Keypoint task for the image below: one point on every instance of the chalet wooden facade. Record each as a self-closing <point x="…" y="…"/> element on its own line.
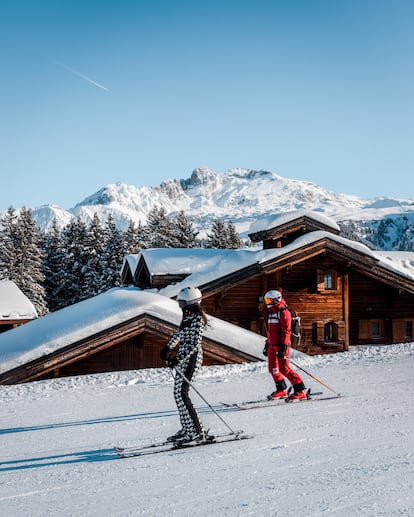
<point x="344" y="293"/>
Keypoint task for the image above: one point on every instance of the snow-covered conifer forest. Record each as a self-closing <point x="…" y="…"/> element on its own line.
<point x="62" y="267"/>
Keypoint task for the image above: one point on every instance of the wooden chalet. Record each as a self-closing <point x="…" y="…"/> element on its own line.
<point x="345" y="293"/>
<point x="123" y="329"/>
<point x="15" y="308"/>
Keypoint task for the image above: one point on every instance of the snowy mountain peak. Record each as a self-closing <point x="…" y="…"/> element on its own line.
<point x="202" y="176"/>
<point x="243" y="196"/>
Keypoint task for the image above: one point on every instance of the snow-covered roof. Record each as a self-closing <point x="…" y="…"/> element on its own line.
<point x="14" y="305"/>
<point x="163" y="261"/>
<point x="230" y="261"/>
<point x="206" y="265"/>
<point x="132" y="261"/>
<point x="81" y="320"/>
<point x="267" y="223"/>
<point x="400" y="261"/>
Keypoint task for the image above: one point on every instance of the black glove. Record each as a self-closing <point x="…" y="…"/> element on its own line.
<point x="172" y="362"/>
<point x="164" y="353"/>
<point x="265" y="348"/>
<point x="281" y="351"/>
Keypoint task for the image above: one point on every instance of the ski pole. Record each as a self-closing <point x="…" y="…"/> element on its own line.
<point x="315" y="378"/>
<point x="202" y="398"/>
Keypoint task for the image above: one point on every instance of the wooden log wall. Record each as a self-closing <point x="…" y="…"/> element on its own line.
<point x="240" y="304"/>
<point x="140" y="351"/>
<point x="373" y="300"/>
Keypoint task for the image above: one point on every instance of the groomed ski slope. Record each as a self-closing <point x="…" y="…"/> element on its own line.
<point x="350" y="456"/>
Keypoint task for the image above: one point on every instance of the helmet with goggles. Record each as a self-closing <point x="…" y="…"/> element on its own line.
<point x="272" y="297"/>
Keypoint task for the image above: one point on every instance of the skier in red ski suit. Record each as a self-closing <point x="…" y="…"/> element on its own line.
<point x="277" y="348"/>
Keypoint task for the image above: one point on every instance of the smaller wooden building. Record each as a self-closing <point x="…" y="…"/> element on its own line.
<point x="15" y="308"/>
<point x="122" y="329"/>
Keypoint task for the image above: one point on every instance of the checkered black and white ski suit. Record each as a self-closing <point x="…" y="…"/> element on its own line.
<point x="190" y="357"/>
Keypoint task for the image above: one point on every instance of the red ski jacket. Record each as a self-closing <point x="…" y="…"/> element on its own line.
<point x="279" y="325"/>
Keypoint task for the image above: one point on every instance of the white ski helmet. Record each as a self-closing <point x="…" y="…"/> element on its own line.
<point x="189" y="296"/>
<point x="272" y="296"/>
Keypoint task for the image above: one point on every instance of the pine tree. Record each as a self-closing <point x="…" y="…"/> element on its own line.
<point x="53" y="268"/>
<point x="158" y="229"/>
<point x="233" y="238"/>
<point x="135" y="238"/>
<point x="218" y="237"/>
<point x="142" y="237"/>
<point x="22" y="257"/>
<point x="94" y="248"/>
<point x="131" y="242"/>
<point x="183" y="234"/>
<point x="74" y="240"/>
<point x="112" y="256"/>
<point x="9" y="245"/>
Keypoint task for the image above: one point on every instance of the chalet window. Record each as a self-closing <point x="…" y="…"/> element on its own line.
<point x="330" y="331"/>
<point x="371" y="329"/>
<point x="402" y="330"/>
<point x="326" y="280"/>
<point x="375" y="329"/>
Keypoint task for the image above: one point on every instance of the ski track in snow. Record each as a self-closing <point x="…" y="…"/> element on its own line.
<point x="347" y="456"/>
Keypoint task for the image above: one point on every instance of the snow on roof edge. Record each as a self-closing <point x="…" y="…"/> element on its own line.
<point x="271" y="222"/>
<point x="71" y="324"/>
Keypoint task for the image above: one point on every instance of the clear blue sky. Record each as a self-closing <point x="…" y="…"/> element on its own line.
<point x="94" y="92"/>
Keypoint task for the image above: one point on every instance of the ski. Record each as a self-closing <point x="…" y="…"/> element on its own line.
<point x="263" y="403"/>
<point x="167" y="442"/>
<point x="133" y="448"/>
<point x="157" y="448"/>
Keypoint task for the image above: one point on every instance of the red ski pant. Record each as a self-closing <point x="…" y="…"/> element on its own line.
<point x="280" y="368"/>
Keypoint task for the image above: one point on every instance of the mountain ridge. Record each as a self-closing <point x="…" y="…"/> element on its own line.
<point x="241" y="195"/>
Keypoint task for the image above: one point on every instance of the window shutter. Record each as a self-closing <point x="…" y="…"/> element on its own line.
<point x="334" y="280"/>
<point x="364" y="329"/>
<point x="341" y="331"/>
<point x="320" y="328"/>
<point x="320" y="280"/>
<point x="398" y="331"/>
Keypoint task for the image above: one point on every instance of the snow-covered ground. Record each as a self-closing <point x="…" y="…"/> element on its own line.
<point x="351" y="456"/>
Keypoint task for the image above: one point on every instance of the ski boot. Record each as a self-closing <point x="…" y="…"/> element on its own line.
<point x="280" y="393"/>
<point x="299" y="393"/>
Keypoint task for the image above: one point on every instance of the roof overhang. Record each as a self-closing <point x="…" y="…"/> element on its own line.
<point x="304" y="223"/>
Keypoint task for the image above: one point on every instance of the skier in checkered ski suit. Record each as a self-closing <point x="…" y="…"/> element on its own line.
<point x="184" y="352"/>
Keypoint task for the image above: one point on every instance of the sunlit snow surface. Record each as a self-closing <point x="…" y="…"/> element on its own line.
<point x="340" y="457"/>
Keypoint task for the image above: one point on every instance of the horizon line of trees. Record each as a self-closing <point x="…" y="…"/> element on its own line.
<point x="63" y="267"/>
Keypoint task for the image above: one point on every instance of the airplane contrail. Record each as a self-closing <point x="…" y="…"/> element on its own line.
<point x="82" y="76"/>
